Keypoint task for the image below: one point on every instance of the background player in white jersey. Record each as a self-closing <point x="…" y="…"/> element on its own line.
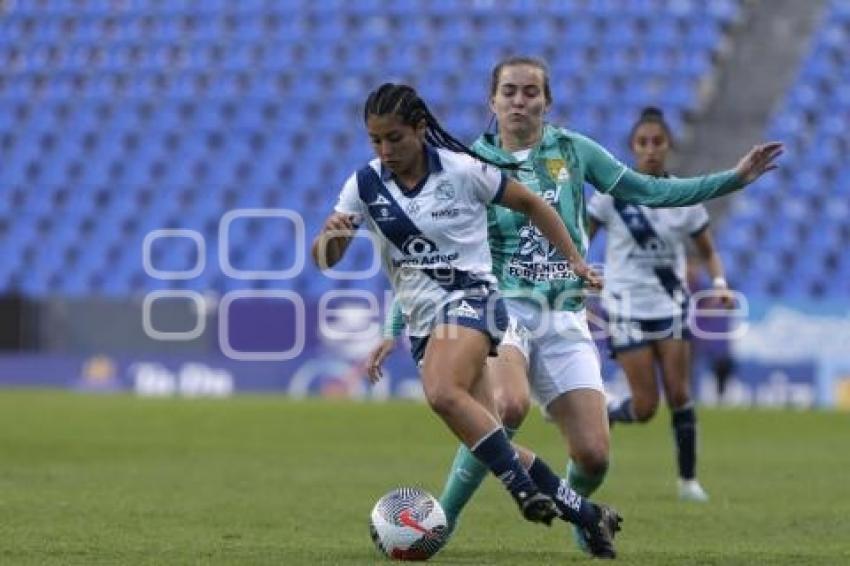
<point x="646" y="296"/>
<point x="549" y="346"/>
<point x="428" y="208"/>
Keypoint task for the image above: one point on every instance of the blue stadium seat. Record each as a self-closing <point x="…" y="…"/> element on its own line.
<point x="809" y="199"/>
<point x="170" y="113"/>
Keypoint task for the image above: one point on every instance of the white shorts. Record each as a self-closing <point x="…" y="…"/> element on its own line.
<point x="558" y="348"/>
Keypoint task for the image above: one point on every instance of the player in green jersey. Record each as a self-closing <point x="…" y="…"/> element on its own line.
<point x="548" y="351"/>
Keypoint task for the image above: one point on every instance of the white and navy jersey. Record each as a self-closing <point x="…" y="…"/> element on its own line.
<point x="434" y="237"/>
<point x="645" y="256"/>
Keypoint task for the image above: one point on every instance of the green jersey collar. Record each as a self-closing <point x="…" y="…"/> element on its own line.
<point x="493" y="144"/>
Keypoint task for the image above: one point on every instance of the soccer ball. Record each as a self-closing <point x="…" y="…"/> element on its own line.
<point x="408" y="524"/>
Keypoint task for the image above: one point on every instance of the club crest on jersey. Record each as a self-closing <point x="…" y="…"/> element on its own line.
<point x="557" y="169"/>
<point x="444" y="191"/>
<point x="536" y="259"/>
<point x="412" y="208"/>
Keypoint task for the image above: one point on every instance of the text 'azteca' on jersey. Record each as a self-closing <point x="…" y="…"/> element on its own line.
<point x="420" y="251"/>
<point x="433" y="237"/>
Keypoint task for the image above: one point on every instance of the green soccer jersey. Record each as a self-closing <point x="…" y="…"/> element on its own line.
<point x="525" y="263"/>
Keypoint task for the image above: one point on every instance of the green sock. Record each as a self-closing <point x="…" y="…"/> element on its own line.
<point x="466" y="474"/>
<point x="582" y="482"/>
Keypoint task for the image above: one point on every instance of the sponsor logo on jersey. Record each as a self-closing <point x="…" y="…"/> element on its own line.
<point x="464" y="310"/>
<point x="445" y="213"/>
<point x="383" y="215"/>
<point x="381" y="200"/>
<point x="418" y="245"/>
<point x="536" y="259"/>
<point x="426" y="260"/>
<point x="422" y="251"/>
<point x="444" y="191"/>
<point x="551" y="196"/>
<point x="655" y="253"/>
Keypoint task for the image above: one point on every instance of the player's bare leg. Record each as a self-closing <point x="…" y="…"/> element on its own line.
<point x="451" y="369"/>
<point x="582" y="419"/>
<point x="674" y="356"/>
<point x="639" y="366"/>
<point x="505" y="383"/>
<point x="509" y="380"/>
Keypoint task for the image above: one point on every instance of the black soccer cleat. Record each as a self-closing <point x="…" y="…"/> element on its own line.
<point x="537" y="507"/>
<point x="599" y="537"/>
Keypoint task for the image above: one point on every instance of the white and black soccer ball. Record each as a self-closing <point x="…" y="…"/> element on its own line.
<point x="408" y="524"/>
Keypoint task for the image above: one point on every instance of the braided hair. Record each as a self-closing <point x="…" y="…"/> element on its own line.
<point x="403" y="101"/>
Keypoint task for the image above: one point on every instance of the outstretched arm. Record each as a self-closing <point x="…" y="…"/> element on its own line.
<point x="636" y="188"/>
<point x="612" y="177"/>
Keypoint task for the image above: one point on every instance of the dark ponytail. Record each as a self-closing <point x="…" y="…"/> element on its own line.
<point x="651" y="115"/>
<point x="403" y="101"/>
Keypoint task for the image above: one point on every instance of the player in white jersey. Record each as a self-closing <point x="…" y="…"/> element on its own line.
<point x="548" y="349"/>
<point x="425" y="199"/>
<point x="646" y="296"/>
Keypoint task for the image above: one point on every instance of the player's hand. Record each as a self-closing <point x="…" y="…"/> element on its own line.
<point x="759" y="161"/>
<point x="377" y="357"/>
<point x="340" y="224"/>
<point x="592" y="279"/>
<point x="725" y="297"/>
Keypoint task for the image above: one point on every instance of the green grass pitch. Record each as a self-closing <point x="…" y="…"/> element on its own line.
<point x="265" y="480"/>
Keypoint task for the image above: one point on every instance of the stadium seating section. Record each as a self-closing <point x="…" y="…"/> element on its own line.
<point x="787" y="235"/>
<point x="122" y="117"/>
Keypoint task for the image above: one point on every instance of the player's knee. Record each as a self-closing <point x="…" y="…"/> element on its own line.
<point x="442" y="398"/>
<point x="593" y="459"/>
<point x="512" y="409"/>
<point x="679" y="399"/>
<point x="644" y="411"/>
